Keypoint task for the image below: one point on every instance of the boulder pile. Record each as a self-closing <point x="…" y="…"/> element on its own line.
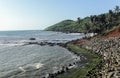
<point x="109" y="48"/>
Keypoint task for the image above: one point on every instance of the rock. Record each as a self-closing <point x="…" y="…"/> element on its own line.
<point x="108" y="48"/>
<point x="70" y="65"/>
<point x="32" y="39"/>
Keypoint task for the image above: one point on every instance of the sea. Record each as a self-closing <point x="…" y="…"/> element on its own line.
<point x="33" y="61"/>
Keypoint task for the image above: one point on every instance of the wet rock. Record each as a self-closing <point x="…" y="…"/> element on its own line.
<point x="32" y="39"/>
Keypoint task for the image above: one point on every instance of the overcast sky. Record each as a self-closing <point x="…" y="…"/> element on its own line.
<point x="39" y="14"/>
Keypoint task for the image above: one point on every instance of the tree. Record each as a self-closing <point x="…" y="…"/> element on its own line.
<point x="101" y="18"/>
<point x="78" y="19"/>
<point x="110" y="12"/>
<point x="110" y="16"/>
<point x="92" y="18"/>
<point x="87" y="27"/>
<point x="117" y="9"/>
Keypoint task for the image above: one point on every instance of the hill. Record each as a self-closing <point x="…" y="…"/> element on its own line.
<point x="69" y="25"/>
<point x="61" y="26"/>
<point x="94" y="23"/>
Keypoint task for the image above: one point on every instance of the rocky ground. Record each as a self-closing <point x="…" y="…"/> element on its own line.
<point x="109" y="48"/>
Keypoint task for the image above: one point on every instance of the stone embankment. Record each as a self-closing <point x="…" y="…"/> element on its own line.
<point x="109" y="48"/>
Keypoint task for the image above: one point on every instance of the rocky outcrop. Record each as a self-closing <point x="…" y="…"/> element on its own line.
<point x="32" y="39"/>
<point x="110" y="50"/>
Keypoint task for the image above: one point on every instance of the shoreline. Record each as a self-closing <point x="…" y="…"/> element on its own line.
<point x="86" y="67"/>
<point x="87" y="53"/>
<point x="102" y="54"/>
<point x="92" y="60"/>
<point x="66" y="68"/>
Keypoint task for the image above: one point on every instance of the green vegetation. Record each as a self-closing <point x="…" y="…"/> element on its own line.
<point x="62" y="26"/>
<point x="80" y="72"/>
<point x="95" y="23"/>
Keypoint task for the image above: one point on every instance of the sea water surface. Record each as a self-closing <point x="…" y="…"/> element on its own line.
<point x="33" y="61"/>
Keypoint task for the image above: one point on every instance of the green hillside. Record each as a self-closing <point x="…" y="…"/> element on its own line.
<point x="62" y="26"/>
<point x="94" y="23"/>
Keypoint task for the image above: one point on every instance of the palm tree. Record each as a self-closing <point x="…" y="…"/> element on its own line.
<point x="78" y="20"/>
<point x="117" y="9"/>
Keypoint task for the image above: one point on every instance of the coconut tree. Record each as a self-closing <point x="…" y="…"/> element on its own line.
<point x="78" y="19"/>
<point x="117" y="9"/>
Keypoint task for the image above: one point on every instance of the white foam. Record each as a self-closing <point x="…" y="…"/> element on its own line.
<point x="22" y="69"/>
<point x="71" y="66"/>
<point x="38" y="65"/>
<point x="12" y="44"/>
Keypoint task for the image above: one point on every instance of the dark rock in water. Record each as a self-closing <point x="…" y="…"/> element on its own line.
<point x="66" y="68"/>
<point x="70" y="65"/>
<point x="51" y="76"/>
<point x="58" y="72"/>
<point x="32" y="43"/>
<point x="74" y="63"/>
<point x="32" y="39"/>
<point x="51" y="44"/>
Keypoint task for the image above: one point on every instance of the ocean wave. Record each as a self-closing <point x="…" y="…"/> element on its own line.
<point x="30" y="67"/>
<point x="12" y="44"/>
<point x="38" y="65"/>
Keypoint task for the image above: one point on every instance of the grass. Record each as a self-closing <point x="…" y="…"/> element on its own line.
<point x="80" y="72"/>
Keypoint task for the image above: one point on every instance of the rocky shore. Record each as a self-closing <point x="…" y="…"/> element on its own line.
<point x="109" y="49"/>
<point x="80" y="63"/>
<point x="62" y="69"/>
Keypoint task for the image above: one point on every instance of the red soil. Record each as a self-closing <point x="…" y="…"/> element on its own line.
<point x="113" y="33"/>
<point x="79" y="41"/>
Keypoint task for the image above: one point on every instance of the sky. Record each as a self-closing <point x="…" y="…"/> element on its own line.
<point x="39" y="14"/>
